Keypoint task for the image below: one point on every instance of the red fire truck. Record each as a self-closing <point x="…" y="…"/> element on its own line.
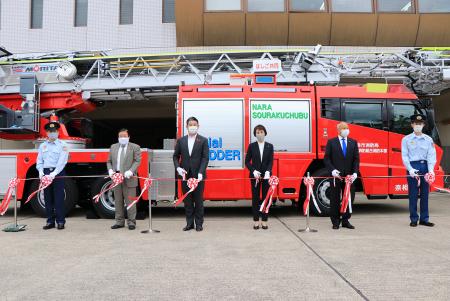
<point x="299" y="119"/>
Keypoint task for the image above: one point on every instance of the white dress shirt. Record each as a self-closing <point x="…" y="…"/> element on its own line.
<point x="119" y="155"/>
<point x="261" y="149"/>
<point x="191" y="141"/>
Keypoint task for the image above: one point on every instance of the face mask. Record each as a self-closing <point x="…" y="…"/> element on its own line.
<point x="345" y="133"/>
<point x="418" y="128"/>
<point x="260" y="137"/>
<point x="124" y="140"/>
<point x="192" y="130"/>
<point x="52" y="135"/>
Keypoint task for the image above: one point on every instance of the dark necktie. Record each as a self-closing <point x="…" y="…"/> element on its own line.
<point x="344" y="147"/>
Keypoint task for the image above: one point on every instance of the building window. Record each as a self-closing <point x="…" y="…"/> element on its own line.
<point x="434" y="6"/>
<point x="308" y="5"/>
<point x="221" y="5"/>
<point x="266" y="5"/>
<point x="37" y="11"/>
<point x="126" y="12"/>
<point x="351" y="6"/>
<point x="168" y="11"/>
<point x="81" y="13"/>
<point x="404" y="6"/>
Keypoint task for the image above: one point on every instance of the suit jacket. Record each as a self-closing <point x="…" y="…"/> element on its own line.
<point x="334" y="157"/>
<point x="253" y="158"/>
<point x="131" y="162"/>
<point x="195" y="163"/>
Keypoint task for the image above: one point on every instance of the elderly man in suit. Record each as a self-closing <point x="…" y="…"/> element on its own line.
<point x="341" y="159"/>
<point x="125" y="158"/>
<point x="191" y="159"/>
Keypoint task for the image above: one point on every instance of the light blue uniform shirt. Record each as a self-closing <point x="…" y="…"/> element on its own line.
<point x="52" y="155"/>
<point x="418" y="148"/>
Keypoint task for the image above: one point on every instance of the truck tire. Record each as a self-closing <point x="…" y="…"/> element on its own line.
<point x="105" y="206"/>
<point x="322" y="192"/>
<point x="70" y="197"/>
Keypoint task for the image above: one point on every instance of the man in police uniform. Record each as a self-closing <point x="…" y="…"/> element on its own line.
<point x="419" y="157"/>
<point x="51" y="160"/>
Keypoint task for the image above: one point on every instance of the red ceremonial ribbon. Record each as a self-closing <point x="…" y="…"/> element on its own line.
<point x="7" y="200"/>
<point x="430" y="178"/>
<point x="309" y="182"/>
<point x="147" y="185"/>
<point x="45" y="182"/>
<point x="273" y="182"/>
<point x="117" y="179"/>
<point x="346" y="199"/>
<point x="192" y="184"/>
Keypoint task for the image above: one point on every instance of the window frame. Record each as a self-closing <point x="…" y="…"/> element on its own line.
<point x="336" y="100"/>
<point x="419" y="12"/>
<point x="330" y="4"/>
<point x="75" y="14"/>
<point x="174" y="13"/>
<point x="286" y="9"/>
<point x="291" y="10"/>
<point x="31" y="15"/>
<point x="413" y="10"/>
<point x="384" y="111"/>
<point x="243" y="2"/>
<point x="132" y="15"/>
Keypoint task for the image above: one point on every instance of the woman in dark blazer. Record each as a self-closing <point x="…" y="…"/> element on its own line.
<point x="260" y="167"/>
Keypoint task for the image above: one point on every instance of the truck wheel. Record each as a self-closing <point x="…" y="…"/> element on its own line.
<point x="70" y="197"/>
<point x="322" y="193"/>
<point x="105" y="206"/>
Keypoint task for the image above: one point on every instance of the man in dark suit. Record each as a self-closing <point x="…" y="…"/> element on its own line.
<point x="191" y="159"/>
<point x="341" y="159"/>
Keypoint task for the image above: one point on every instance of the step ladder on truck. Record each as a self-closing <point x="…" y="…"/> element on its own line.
<point x="300" y="94"/>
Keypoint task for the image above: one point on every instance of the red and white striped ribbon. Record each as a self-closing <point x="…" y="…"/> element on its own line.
<point x="431" y="178"/>
<point x="147" y="185"/>
<point x="8" y="196"/>
<point x="45" y="182"/>
<point x="273" y="182"/>
<point x="347" y="197"/>
<point x="192" y="184"/>
<point x="309" y="182"/>
<point x="117" y="179"/>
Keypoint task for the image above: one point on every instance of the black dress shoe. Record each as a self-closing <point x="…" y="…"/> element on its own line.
<point x="348" y="225"/>
<point x="335" y="227"/>
<point x="48" y="226"/>
<point x="60" y="226"/>
<point x="116" y="226"/>
<point x="199" y="228"/>
<point x="265" y="227"/>
<point x="187" y="228"/>
<point x="131" y="227"/>
<point x="413" y="224"/>
<point x="255" y="227"/>
<point x="428" y="224"/>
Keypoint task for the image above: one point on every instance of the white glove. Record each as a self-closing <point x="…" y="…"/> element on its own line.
<point x="52" y="175"/>
<point x="128" y="174"/>
<point x="354" y="177"/>
<point x="199" y="177"/>
<point x="413" y="172"/>
<point x="41" y="174"/>
<point x="266" y="175"/>
<point x="181" y="171"/>
<point x="111" y="172"/>
<point x="256" y="174"/>
<point x="335" y="173"/>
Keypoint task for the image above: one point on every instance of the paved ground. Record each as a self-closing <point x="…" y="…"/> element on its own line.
<point x="383" y="259"/>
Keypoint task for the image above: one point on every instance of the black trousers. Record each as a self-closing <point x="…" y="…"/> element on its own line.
<point x="335" y="202"/>
<point x="193" y="204"/>
<point x="257" y="199"/>
<point x="54" y="199"/>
